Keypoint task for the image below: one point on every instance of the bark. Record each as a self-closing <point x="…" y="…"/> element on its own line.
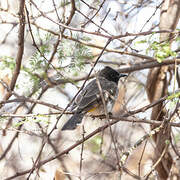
<point x="157" y="87"/>
<point x="20" y="50"/>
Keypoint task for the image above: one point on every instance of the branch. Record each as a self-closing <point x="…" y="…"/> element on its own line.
<point x="100" y="34"/>
<point x="66" y="151"/>
<point x="20" y="48"/>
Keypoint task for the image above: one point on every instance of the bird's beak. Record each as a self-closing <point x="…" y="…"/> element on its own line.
<point x="122" y="75"/>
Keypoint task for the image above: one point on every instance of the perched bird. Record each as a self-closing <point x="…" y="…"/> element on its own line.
<point x="89" y="99"/>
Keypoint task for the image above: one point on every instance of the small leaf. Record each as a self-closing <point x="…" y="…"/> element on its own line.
<point x="167" y="141"/>
<point x="172" y="96"/>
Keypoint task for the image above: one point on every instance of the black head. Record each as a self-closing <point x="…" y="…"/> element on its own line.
<point x="111" y="74"/>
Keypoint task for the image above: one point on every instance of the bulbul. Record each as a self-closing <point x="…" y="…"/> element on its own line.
<point x="90" y="98"/>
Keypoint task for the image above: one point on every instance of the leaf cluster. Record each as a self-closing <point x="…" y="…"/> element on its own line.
<point x="162" y="50"/>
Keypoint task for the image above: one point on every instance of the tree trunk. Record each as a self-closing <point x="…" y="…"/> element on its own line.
<point x="157" y="87"/>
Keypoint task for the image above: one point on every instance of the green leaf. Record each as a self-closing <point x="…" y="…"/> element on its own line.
<point x="167" y="141"/>
<point x="173" y="96"/>
<point x="96" y="143"/>
<point x="141" y="42"/>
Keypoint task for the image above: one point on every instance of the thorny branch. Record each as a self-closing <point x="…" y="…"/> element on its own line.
<point x="100" y="129"/>
<point x="66" y="31"/>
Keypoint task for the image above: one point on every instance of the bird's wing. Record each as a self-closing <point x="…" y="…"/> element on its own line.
<point x="90" y="96"/>
<point x="81" y="95"/>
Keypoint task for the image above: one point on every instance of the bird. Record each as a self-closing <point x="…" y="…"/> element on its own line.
<point x="90" y="97"/>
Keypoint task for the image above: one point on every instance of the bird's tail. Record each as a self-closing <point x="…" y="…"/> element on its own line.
<point x="73" y="121"/>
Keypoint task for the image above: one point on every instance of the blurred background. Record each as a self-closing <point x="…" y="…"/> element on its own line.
<point x="47" y="49"/>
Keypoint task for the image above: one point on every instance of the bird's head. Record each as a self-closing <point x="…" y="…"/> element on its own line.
<point x="111" y="74"/>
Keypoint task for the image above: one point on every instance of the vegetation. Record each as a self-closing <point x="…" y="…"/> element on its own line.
<point x="49" y="49"/>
